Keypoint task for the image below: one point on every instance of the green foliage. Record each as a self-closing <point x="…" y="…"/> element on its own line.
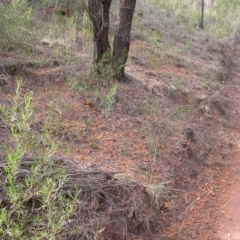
<point x="25" y="25"/>
<point x="224" y="17"/>
<point x="79" y="85"/>
<point x="104" y="69"/>
<point x="102" y="86"/>
<point x="107" y="68"/>
<point x="86" y="24"/>
<point x="106" y="102"/>
<point x="35" y="206"/>
<point x="221" y="18"/>
<point x="17" y="116"/>
<point x="66" y="35"/>
<point x="16" y="26"/>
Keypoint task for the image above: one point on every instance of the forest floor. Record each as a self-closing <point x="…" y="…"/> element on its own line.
<point x="176" y="122"/>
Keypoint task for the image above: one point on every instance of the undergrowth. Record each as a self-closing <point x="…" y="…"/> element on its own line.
<point x="32" y="204"/>
<point x="218" y="15"/>
<point x="16" y="26"/>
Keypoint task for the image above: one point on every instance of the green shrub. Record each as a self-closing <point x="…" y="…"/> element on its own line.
<point x="34" y="205"/>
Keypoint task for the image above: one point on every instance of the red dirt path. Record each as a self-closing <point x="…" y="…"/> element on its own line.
<point x="229" y="225"/>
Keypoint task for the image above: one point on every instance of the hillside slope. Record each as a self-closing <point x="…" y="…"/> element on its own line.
<point x="171" y="130"/>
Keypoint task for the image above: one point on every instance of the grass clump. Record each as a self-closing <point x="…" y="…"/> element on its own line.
<point x="107" y="101"/>
<point x="99" y="89"/>
<point x="32" y="205"/>
<point x="16" y="26"/>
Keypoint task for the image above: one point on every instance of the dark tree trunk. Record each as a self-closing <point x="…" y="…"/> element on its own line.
<point x="122" y="36"/>
<point x="201" y="24"/>
<point x="99" y="15"/>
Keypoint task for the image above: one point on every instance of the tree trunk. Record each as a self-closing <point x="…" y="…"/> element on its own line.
<point x="122" y="36"/>
<point x="99" y="15"/>
<point x="201" y="24"/>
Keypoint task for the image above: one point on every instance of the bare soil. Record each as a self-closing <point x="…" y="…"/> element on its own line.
<point x="229" y="224"/>
<point x="199" y="152"/>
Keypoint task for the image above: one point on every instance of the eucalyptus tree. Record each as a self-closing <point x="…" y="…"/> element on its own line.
<point x="99" y="11"/>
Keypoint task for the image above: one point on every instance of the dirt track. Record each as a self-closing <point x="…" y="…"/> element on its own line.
<point x="229" y="226"/>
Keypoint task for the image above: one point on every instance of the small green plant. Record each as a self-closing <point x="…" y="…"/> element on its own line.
<point x="107" y="68"/>
<point x="76" y="84"/>
<point x="106" y="102"/>
<point x="153" y="61"/>
<point x="34" y="206"/>
<point x="86" y="24"/>
<point x="155" y="38"/>
<point x="17" y="116"/>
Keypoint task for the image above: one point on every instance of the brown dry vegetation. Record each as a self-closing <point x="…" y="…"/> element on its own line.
<point x="172" y="124"/>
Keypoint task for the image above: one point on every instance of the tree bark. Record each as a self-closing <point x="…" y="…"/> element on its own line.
<point x="201" y="25"/>
<point x="121" y="42"/>
<point x="99" y="15"/>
